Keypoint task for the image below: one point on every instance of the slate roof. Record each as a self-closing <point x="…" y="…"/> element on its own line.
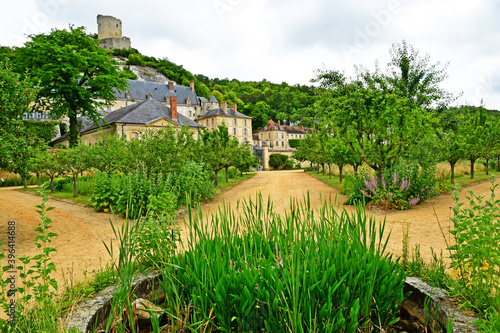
<point x="139" y="91"/>
<point x="219" y="112"/>
<point x="143" y="113"/>
<point x="213" y="99"/>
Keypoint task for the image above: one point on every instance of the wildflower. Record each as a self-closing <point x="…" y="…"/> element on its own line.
<point x="422" y="190"/>
<point x="437" y="195"/>
<point x="427" y="187"/>
<point x="413" y="201"/>
<point x="395" y="178"/>
<point x="451" y="207"/>
<point x="486" y="204"/>
<point x="422" y="197"/>
<point x="371" y="184"/>
<point x="405" y="184"/>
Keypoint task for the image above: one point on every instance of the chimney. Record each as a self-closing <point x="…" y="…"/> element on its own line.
<point x="191" y="84"/>
<point x="223" y="106"/>
<point x="173" y="107"/>
<point x="234" y="106"/>
<point x="279" y="122"/>
<point x="302" y="127"/>
<point x="170" y="85"/>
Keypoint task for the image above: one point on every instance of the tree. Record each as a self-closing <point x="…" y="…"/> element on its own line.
<point x="244" y="159"/>
<point x="378" y="124"/>
<point x="53" y="165"/>
<point x="76" y="76"/>
<point x="16" y="95"/>
<point x="414" y="78"/>
<point x="217" y="149"/>
<point x="75" y="161"/>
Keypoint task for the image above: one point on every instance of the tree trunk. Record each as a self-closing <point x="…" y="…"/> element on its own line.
<point x="216" y="182"/>
<point x="235" y="172"/>
<point x="73" y="130"/>
<point x="38" y="178"/>
<point x="318" y="168"/>
<point x="227" y="173"/>
<point x="330" y="169"/>
<point x="355" y="166"/>
<point x="452" y="167"/>
<point x="323" y="165"/>
<point x="341" y="167"/>
<point x="487" y="166"/>
<point x="52" y="184"/>
<point x="25" y="182"/>
<point x="472" y="163"/>
<point x="75" y="178"/>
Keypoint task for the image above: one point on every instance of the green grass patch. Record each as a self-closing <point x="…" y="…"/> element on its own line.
<point x="223" y="186"/>
<point x="80" y="199"/>
<point x="333" y="181"/>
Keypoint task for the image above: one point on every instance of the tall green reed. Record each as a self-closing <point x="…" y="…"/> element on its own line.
<point x="306" y="271"/>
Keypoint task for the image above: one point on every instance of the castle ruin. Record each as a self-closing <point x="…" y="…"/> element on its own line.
<point x="109" y="31"/>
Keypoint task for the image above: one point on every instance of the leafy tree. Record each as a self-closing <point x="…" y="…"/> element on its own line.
<point x="260" y="114"/>
<point x="474" y="134"/>
<point x="414" y="78"/>
<point x="53" y="165"/>
<point x="243" y="159"/>
<point x="76" y="76"/>
<point x="110" y="155"/>
<point x="378" y="125"/>
<point x="75" y="161"/>
<point x="217" y="150"/>
<point x="16" y="95"/>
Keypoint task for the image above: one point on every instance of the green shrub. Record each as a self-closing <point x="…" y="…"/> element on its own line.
<point x="105" y="194"/>
<point x="404" y="185"/>
<point x="139" y="192"/>
<point x="278" y="161"/>
<point x="475" y="254"/>
<point x="193" y="181"/>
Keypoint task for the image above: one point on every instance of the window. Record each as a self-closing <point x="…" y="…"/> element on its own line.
<point x="190" y="113"/>
<point x="276" y="135"/>
<point x="245" y="131"/>
<point x="235" y="122"/>
<point x="135" y="135"/>
<point x="245" y="123"/>
<point x="277" y="144"/>
<point x="282" y="143"/>
<point x="269" y="135"/>
<point x="234" y="131"/>
<point x="282" y="136"/>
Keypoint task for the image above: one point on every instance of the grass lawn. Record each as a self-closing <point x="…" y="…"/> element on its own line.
<point x="81" y="199"/>
<point x="223" y="186"/>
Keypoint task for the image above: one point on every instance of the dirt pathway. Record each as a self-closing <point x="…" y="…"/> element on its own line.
<point x="82" y="231"/>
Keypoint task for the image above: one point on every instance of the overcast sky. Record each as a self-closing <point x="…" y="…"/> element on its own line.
<point x="287" y="40"/>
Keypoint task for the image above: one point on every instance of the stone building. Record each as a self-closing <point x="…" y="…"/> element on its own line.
<point x="238" y="124"/>
<point x="276" y="136"/>
<point x="109" y="31"/>
<point x="130" y="120"/>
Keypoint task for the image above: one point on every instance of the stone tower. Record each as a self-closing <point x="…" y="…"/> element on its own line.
<point x="109" y="31"/>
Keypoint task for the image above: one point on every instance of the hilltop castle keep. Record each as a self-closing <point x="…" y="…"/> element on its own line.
<point x="109" y="31"/>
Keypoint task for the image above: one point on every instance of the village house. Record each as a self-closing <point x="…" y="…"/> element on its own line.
<point x="277" y="136"/>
